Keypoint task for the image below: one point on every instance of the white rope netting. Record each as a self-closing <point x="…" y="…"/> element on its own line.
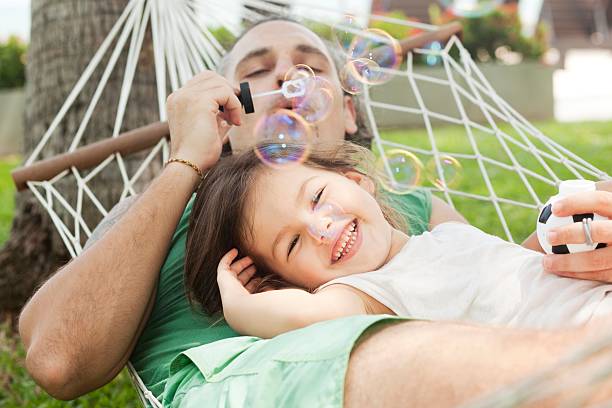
<point x="496" y="146"/>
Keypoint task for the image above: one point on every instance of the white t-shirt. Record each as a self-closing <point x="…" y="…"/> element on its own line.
<point x="458" y="272"/>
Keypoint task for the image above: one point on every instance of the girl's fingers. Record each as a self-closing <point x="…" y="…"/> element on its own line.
<point x="241" y="264"/>
<point x="228" y="258"/>
<point x="601" y="231"/>
<point x="252" y="285"/>
<point x="246" y="274"/>
<point x="593" y="201"/>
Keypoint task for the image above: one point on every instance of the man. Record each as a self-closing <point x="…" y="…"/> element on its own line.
<point x="112" y="303"/>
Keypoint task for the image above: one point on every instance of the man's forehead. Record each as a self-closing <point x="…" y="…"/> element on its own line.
<point x="276" y="35"/>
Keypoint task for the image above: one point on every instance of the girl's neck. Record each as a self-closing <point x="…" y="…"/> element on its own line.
<point x="398" y="240"/>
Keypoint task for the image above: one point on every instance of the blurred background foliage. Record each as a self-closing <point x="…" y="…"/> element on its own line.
<point x="12" y="63"/>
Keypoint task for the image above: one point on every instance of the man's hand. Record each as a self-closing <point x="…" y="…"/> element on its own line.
<point x="197" y="128"/>
<point x="592" y="265"/>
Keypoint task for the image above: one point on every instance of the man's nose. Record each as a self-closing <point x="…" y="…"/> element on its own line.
<point x="283" y="65"/>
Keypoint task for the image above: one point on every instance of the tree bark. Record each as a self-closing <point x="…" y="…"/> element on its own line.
<point x="65" y="35"/>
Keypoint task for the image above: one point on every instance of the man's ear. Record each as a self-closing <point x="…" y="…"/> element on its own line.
<point x="350" y="115"/>
<point x="364" y="181"/>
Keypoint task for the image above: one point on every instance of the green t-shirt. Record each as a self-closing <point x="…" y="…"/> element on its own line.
<point x="174" y="326"/>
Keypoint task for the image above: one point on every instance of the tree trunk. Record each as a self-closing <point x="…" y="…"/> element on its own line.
<point x="65" y="35"/>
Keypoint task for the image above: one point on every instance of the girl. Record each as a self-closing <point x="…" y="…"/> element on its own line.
<point x="324" y="236"/>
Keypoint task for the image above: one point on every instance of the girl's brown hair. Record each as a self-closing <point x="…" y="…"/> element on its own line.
<point x="218" y="222"/>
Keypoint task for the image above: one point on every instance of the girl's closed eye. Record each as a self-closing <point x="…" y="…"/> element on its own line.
<point x="315" y="200"/>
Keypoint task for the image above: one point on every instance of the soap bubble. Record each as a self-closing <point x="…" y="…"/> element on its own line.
<point x="299" y="71"/>
<point x="471" y="8"/>
<point x="344" y="32"/>
<point x="282" y="139"/>
<point x="403" y="173"/>
<point x="317" y="101"/>
<point x="349" y="80"/>
<point x="366" y="71"/>
<point x="328" y="222"/>
<point x="433" y="59"/>
<point x="450" y="168"/>
<point x="380" y="48"/>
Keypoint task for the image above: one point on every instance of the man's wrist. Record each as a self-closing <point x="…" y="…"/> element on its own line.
<point x="182" y="174"/>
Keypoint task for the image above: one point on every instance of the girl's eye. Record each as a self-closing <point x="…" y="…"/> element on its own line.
<point x="293" y="243"/>
<point x="317" y="197"/>
<point x="256" y="73"/>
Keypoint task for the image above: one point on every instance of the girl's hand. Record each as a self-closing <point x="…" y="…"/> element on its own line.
<point x="197" y="128"/>
<point x="591" y="265"/>
<point x="236" y="278"/>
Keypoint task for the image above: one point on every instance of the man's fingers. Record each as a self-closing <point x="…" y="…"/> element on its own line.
<point x="604" y="276"/>
<point x="587" y="202"/>
<point x="247" y="274"/>
<point x="601" y="231"/>
<point x="590" y="261"/>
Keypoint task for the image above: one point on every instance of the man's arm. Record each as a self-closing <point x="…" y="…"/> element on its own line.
<point x="446" y="364"/>
<point x="81" y="326"/>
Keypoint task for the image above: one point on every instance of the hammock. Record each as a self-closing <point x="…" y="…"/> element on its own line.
<point x="499" y="145"/>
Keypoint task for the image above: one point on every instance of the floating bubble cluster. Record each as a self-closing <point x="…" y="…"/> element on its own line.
<point x="449" y="174"/>
<point x="399" y="171"/>
<point x="381" y="50"/>
<point x="282" y="139"/>
<point x="328" y="221"/>
<point x="372" y="55"/>
<point x="471" y="8"/>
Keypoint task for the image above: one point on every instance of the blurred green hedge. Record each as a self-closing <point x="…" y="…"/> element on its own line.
<point x="12" y="63"/>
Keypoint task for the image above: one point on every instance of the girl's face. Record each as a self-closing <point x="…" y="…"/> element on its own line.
<point x="311" y="225"/>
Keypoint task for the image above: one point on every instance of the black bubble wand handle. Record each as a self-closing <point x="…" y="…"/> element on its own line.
<point x="289" y="89"/>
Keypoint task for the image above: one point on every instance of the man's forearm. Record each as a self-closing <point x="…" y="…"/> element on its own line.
<point x="81" y="325"/>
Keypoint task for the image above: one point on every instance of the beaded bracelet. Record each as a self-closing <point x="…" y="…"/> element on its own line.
<point x="188" y="163"/>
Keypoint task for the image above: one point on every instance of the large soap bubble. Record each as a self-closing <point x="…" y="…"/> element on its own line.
<point x="471" y="8"/>
<point x="317" y="101"/>
<point x="448" y="175"/>
<point x="399" y="171"/>
<point x="344" y="32"/>
<point x="382" y="50"/>
<point x="282" y="139"/>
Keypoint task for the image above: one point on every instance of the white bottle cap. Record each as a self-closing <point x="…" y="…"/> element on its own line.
<point x="569" y="187"/>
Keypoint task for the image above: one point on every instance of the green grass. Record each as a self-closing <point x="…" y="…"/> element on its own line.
<point x="592" y="141"/>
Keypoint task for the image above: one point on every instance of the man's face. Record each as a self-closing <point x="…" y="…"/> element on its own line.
<point x="263" y="56"/>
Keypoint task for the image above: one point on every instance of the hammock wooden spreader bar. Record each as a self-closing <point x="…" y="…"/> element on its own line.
<point x="148" y="136"/>
<point x="92" y="154"/>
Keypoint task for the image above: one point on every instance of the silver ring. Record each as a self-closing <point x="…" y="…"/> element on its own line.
<point x="586" y="226"/>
